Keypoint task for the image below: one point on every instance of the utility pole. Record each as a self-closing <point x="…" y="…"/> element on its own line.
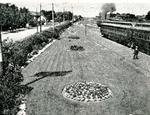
<point x="85" y="30"/>
<point x="64" y="8"/>
<point x="1" y="54"/>
<point x="40" y="18"/>
<point x="37" y="19"/>
<point x="72" y="11"/>
<point x="53" y="18"/>
<point x="63" y="14"/>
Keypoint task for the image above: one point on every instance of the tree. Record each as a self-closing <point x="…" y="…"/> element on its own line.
<point x="59" y="16"/>
<point x="48" y="14"/>
<point x="147" y="17"/>
<point x="128" y="17"/>
<point x="13" y="17"/>
<point x="67" y="15"/>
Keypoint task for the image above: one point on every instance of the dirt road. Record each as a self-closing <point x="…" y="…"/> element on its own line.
<point x="102" y="61"/>
<point x="19" y="35"/>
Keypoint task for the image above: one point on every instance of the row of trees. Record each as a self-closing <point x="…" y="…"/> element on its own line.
<point x="127" y="17"/>
<point x="124" y="16"/>
<point x="12" y="17"/>
<point x="59" y="16"/>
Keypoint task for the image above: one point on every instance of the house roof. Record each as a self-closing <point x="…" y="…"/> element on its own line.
<point x="34" y="13"/>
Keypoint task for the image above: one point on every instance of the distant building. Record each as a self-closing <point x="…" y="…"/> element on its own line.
<point x="43" y="19"/>
<point x="36" y="16"/>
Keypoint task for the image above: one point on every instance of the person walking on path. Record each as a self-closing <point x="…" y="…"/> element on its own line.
<point x="136" y="52"/>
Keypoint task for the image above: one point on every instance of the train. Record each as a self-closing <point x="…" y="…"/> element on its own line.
<point x="126" y="33"/>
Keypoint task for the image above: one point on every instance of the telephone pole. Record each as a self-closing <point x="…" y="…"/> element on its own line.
<point x="40" y="18"/>
<point x="37" y="19"/>
<point x="1" y="54"/>
<point x="63" y="14"/>
<point x="53" y="18"/>
<point x="72" y="11"/>
<point x="85" y="30"/>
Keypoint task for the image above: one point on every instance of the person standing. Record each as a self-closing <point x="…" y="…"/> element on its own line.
<point x="136" y="52"/>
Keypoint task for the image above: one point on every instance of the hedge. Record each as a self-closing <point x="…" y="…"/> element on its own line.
<point x="15" y="56"/>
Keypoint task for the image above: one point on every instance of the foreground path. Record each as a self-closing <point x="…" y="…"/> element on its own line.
<point x="102" y="61"/>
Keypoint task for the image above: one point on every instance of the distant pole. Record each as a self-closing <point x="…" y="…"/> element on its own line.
<point x="37" y="19"/>
<point x="85" y="30"/>
<point x="40" y="19"/>
<point x="1" y="54"/>
<point x="53" y="18"/>
<point x="63" y="14"/>
<point x="72" y="11"/>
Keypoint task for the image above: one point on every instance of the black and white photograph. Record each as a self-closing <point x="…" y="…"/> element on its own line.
<point x="74" y="57"/>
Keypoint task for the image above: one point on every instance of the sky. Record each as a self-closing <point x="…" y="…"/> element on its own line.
<point x="86" y="8"/>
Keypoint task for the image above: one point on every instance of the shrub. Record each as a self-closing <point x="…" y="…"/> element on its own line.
<point x="10" y="88"/>
<point x="16" y="55"/>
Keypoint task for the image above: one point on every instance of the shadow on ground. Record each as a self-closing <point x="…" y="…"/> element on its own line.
<point x="42" y="75"/>
<point x="74" y="37"/>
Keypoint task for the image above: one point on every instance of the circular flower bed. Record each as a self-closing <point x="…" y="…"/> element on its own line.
<point x="76" y="48"/>
<point x="86" y="92"/>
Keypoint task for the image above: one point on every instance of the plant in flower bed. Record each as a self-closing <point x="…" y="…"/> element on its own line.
<point x="86" y="92"/>
<point x="76" y="48"/>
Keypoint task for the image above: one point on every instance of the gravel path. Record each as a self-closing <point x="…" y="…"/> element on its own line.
<point x="102" y="61"/>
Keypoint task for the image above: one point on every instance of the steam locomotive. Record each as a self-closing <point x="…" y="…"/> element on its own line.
<point x="126" y="33"/>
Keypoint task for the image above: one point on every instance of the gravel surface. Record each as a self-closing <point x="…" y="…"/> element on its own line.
<point x="102" y="61"/>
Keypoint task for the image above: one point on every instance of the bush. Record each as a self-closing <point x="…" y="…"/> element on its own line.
<point x="10" y="88"/>
<point x="15" y="56"/>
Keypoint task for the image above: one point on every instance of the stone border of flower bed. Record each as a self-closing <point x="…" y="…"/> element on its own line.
<point x="86" y="92"/>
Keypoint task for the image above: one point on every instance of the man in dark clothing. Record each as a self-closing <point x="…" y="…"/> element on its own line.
<point x="136" y="52"/>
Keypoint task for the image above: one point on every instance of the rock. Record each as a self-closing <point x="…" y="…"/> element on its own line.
<point x="22" y="106"/>
<point x="21" y="112"/>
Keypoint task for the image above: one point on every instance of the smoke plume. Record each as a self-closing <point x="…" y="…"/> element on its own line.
<point x="107" y="7"/>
